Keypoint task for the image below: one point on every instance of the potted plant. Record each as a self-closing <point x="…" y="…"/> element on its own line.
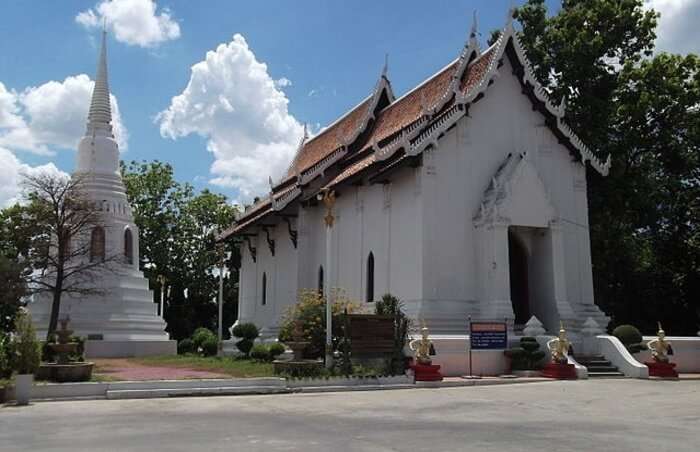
<point x="26" y="356"/>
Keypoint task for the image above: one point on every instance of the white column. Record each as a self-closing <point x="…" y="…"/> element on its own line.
<point x="559" y="271"/>
<point x="496" y="302"/>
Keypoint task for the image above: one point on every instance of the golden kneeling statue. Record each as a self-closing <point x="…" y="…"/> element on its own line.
<point x="660" y="348"/>
<point x="422" y="347"/>
<point x="559" y="346"/>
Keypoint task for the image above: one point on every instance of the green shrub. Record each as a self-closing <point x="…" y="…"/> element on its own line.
<point x="248" y="332"/>
<point x="260" y="352"/>
<point x="275" y="350"/>
<point x="26" y="351"/>
<point x="630" y="337"/>
<point x="5" y="367"/>
<point x="527" y="356"/>
<point x="202" y="340"/>
<point x="210" y="346"/>
<point x="185" y="346"/>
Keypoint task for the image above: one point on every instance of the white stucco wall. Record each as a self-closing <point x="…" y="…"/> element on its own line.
<point x="421" y="229"/>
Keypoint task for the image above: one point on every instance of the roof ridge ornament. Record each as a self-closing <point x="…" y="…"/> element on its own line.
<point x="473" y="40"/>
<point x="385" y="69"/>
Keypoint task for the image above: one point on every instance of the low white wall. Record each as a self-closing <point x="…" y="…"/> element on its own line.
<point x="615" y="352"/>
<point x="452" y="354"/>
<point x="686" y="353"/>
<point x="128" y="349"/>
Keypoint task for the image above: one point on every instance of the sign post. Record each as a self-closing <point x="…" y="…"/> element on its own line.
<point x="484" y="335"/>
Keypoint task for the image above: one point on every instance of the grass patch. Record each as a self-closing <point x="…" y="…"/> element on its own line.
<point x="238" y="368"/>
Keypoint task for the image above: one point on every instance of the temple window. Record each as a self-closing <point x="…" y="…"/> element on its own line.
<point x="320" y="279"/>
<point x="97" y="244"/>
<point x="264" y="289"/>
<point x="128" y="246"/>
<point x="370" y="278"/>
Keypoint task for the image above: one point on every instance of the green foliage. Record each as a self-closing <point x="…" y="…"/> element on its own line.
<point x="5" y="364"/>
<point x="185" y="346"/>
<point x="26" y="351"/>
<point x="13" y="289"/>
<point x="204" y="341"/>
<point x="260" y="352"/>
<point x="308" y="319"/>
<point x="642" y="110"/>
<point x="391" y="305"/>
<point x="209" y="346"/>
<point x="177" y="231"/>
<point x="275" y="349"/>
<point x="527" y="356"/>
<point x="630" y="337"/>
<point x="248" y="332"/>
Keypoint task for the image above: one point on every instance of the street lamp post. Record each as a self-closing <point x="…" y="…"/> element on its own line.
<point x="328" y="198"/>
<point x="220" y="348"/>
<point x="161" y="280"/>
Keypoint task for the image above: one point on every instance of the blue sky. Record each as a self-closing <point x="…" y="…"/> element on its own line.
<point x="324" y="56"/>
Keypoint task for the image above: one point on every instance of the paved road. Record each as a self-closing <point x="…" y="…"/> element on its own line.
<point x="602" y="415"/>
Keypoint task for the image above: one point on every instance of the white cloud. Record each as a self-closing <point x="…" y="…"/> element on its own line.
<point x="283" y="82"/>
<point x="678" y="30"/>
<point x="11" y="172"/>
<point x="52" y="115"/>
<point x="133" y="22"/>
<point x="232" y="101"/>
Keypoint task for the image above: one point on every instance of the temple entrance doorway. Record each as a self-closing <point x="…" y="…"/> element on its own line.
<point x="519" y="277"/>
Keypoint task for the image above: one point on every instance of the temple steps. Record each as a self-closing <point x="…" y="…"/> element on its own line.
<point x="598" y="366"/>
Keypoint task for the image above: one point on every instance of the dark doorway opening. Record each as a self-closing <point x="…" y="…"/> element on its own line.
<point x="519" y="287"/>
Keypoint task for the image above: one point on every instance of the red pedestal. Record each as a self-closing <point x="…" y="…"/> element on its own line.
<point x="426" y="372"/>
<point x="663" y="370"/>
<point x="559" y="371"/>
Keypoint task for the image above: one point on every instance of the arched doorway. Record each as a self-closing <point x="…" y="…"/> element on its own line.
<point x="519" y="278"/>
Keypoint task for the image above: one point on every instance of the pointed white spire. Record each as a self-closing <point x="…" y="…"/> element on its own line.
<point x="473" y="35"/>
<point x="100" y="115"/>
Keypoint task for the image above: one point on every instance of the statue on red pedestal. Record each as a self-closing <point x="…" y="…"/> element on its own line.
<point x="660" y="365"/>
<point x="559" y="367"/>
<point x="559" y="346"/>
<point x="660" y="348"/>
<point x="423" y="367"/>
<point x="422" y="347"/>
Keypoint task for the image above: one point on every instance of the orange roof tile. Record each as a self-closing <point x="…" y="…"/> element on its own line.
<point x="327" y="141"/>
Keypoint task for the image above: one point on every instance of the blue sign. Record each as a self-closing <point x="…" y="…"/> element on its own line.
<point x="488" y="335"/>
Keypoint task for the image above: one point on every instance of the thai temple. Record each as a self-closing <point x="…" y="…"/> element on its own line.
<point x="122" y="320"/>
<point x="464" y="197"/>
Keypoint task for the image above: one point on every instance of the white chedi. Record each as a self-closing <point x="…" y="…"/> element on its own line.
<point x="123" y="316"/>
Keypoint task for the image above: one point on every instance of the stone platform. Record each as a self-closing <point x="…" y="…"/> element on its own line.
<point x="662" y="370"/>
<point x="559" y="371"/>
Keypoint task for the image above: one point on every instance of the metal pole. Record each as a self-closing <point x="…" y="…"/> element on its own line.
<point x="220" y="351"/>
<point x="329" y="301"/>
<point x="470" y="347"/>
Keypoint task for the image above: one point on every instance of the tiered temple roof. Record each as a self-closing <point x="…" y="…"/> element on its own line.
<point x="380" y="133"/>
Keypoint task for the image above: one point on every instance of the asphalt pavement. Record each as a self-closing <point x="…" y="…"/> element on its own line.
<point x="595" y="415"/>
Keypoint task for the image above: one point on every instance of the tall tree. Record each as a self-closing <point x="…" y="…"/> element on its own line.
<point x="53" y="238"/>
<point x="642" y="109"/>
<point x="177" y="230"/>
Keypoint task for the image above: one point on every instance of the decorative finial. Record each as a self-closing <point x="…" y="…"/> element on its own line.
<point x="473" y="41"/>
<point x="511" y="13"/>
<point x="269" y="181"/>
<point x="306" y="132"/>
<point x="385" y="69"/>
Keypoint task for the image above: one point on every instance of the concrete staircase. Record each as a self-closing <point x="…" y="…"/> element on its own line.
<point x="598" y="366"/>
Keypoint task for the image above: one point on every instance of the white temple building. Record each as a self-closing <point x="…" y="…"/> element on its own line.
<point x="123" y="319"/>
<point x="464" y="197"/>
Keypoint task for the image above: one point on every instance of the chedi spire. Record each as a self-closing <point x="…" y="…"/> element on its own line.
<point x="100" y="115"/>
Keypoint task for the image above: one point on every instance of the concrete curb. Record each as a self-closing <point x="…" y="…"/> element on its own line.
<point x="249" y="386"/>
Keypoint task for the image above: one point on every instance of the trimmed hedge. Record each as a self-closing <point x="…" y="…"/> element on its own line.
<point x="630" y="337"/>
